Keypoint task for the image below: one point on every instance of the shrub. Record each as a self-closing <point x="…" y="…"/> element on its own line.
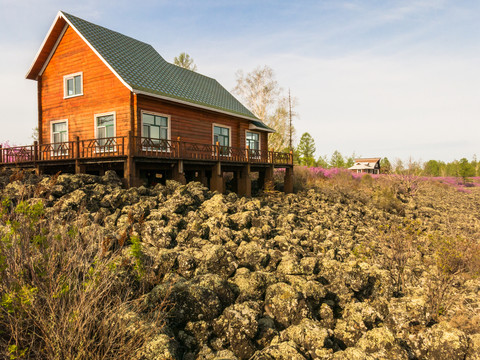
<point x="456" y="259"/>
<point x="60" y="297"/>
<point x="397" y="244"/>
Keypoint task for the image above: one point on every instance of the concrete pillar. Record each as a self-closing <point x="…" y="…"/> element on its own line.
<point x="216" y="180"/>
<point x="178" y="174"/>
<point x="288" y="180"/>
<point x="244" y="184"/>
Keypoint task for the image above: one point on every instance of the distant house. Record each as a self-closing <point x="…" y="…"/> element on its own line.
<point x="367" y="166"/>
<point x="108" y="101"/>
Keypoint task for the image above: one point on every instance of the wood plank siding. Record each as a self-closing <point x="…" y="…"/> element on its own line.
<point x="195" y="125"/>
<point x="102" y="91"/>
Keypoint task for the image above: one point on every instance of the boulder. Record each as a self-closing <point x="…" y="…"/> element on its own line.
<point x="310" y="338"/>
<point x="286" y="305"/>
<point x="237" y="327"/>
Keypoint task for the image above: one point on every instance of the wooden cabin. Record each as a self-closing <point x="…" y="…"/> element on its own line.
<point x="108" y="101"/>
<point x="366" y="165"/>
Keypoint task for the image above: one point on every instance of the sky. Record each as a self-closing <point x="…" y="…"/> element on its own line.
<point x="396" y="79"/>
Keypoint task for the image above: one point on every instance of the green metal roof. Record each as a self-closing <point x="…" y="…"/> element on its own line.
<point x="141" y="67"/>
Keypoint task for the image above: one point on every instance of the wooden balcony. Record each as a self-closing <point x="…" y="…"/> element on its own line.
<point x="120" y="147"/>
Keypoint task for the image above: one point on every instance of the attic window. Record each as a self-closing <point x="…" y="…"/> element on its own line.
<point x="73" y="85"/>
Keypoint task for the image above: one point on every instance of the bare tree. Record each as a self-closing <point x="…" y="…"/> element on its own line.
<point x="262" y="94"/>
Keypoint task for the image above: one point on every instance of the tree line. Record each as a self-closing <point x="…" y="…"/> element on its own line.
<point x="263" y="95"/>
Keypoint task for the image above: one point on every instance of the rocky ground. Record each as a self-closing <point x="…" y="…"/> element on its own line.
<point x="345" y="270"/>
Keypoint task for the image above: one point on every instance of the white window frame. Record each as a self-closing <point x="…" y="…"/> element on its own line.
<point x="65" y="89"/>
<point x="169" y="127"/>
<point x="229" y="135"/>
<point x="95" y="127"/>
<point x="53" y="152"/>
<point x="259" y="138"/>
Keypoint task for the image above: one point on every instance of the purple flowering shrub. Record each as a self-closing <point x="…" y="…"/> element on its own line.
<point x="309" y="177"/>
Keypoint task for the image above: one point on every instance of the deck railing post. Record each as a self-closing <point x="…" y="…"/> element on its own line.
<point x="247" y="153"/>
<point x="77" y="147"/>
<point x="180" y="152"/>
<point x="1" y="154"/>
<point x="217" y="150"/>
<point x="35" y="150"/>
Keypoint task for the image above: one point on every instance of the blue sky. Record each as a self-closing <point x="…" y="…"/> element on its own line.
<point x="379" y="78"/>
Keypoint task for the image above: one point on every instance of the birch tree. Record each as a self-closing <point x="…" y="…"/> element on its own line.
<point x="262" y="94"/>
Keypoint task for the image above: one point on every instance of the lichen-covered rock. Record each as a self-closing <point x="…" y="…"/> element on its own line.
<point x="285" y="304"/>
<point x="441" y="341"/>
<point x="252" y="255"/>
<point x="381" y="344"/>
<point x="310" y="338"/>
<point x="357" y="319"/>
<point x="353" y="353"/>
<point x="298" y="276"/>
<point x="161" y="347"/>
<point x="237" y="326"/>
<point x="281" y="351"/>
<point x="473" y="352"/>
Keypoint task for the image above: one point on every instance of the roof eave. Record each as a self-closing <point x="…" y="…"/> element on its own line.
<point x="35" y="68"/>
<point x="254" y="127"/>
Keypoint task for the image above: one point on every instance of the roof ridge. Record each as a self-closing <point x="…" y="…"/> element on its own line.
<point x="104" y="28"/>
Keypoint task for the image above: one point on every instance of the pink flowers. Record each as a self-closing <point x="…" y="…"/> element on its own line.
<point x="313" y="173"/>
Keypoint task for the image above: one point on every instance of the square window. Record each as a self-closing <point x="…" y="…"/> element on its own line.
<point x="73" y="85"/>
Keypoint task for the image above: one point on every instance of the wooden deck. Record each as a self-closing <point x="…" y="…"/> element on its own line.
<point x="121" y="147"/>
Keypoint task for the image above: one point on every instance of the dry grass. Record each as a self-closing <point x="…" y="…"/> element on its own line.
<point x="60" y="297"/>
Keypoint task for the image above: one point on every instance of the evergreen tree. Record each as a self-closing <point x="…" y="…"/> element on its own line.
<point x="350" y="161"/>
<point x="322" y="162"/>
<point x="337" y="160"/>
<point x="306" y="150"/>
<point x="465" y="169"/>
<point x="385" y="166"/>
<point x="432" y="168"/>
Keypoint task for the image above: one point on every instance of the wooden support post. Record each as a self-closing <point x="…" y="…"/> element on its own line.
<point x="216" y="181"/>
<point x="35" y="150"/>
<point x="244" y="184"/>
<point x="129" y="171"/>
<point x="35" y="157"/>
<point x="202" y="178"/>
<point x="288" y="180"/>
<point x="78" y="167"/>
<point x="179" y="145"/>
<point x="178" y="174"/>
<point x="269" y="173"/>
<point x="1" y="154"/>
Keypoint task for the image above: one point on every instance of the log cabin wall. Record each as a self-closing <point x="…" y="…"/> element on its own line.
<point x="102" y="91"/>
<point x="194" y="124"/>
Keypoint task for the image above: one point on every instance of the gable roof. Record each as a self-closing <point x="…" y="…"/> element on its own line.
<point x="363" y="164"/>
<point x="141" y="69"/>
<point x="368" y="160"/>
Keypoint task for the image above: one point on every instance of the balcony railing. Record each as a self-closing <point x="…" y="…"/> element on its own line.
<point x="123" y="146"/>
